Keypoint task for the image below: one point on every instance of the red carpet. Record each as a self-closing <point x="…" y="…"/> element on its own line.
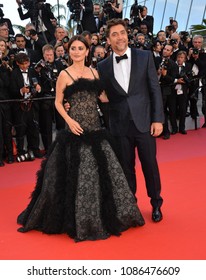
<point x="181" y="234"/>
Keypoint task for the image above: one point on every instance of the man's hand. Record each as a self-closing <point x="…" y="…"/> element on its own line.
<point x="156" y="129"/>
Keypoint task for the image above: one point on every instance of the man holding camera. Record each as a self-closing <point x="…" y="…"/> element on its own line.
<point x="197" y="57"/>
<point x="40" y="15"/>
<point x="82" y="13"/>
<point x="139" y="14"/>
<point x="24" y="85"/>
<point x="167" y="72"/>
<point x="49" y="69"/>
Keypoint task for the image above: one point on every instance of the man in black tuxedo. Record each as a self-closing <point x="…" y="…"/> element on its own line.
<point x="135" y="108"/>
<point x="24" y="84"/>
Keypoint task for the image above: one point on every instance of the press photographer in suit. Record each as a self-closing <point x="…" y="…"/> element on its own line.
<point x="40" y="14"/>
<point x="139" y="14"/>
<point x="82" y="13"/>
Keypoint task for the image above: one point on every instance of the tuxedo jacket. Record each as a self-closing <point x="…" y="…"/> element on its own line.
<point x="143" y="101"/>
<point x="17" y="82"/>
<point x="187" y="69"/>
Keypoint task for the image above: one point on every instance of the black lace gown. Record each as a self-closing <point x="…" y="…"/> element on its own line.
<point x="81" y="189"/>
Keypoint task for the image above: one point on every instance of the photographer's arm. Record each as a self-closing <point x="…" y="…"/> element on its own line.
<point x="119" y="8"/>
<point x="20" y="11"/>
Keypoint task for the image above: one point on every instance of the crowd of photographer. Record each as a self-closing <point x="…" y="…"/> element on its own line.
<point x="31" y="62"/>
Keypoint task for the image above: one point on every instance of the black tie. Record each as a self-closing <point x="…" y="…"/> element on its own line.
<point x="118" y="58"/>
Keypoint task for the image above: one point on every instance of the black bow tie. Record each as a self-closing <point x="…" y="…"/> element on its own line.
<point x="118" y="58"/>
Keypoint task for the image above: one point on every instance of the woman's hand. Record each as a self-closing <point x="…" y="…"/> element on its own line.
<point x="75" y="127"/>
<point x="103" y="97"/>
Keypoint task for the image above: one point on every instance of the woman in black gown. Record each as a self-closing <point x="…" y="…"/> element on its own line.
<point x="81" y="189"/>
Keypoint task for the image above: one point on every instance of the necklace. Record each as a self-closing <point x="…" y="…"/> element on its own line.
<point x="79" y="72"/>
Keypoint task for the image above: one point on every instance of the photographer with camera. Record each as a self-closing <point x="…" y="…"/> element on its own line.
<point x="24" y="85"/>
<point x="82" y="13"/>
<point x="49" y="71"/>
<point x="197" y="57"/>
<point x="61" y="55"/>
<point x="179" y="96"/>
<point x="185" y="41"/>
<point x="112" y="9"/>
<point x="40" y="14"/>
<point x="139" y="15"/>
<point x="167" y="72"/>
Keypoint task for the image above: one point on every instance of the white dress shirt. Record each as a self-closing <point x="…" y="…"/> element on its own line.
<point x="122" y="70"/>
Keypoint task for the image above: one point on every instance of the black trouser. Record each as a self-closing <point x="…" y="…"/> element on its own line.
<point x="178" y="102"/>
<point x="26" y="124"/>
<point x="5" y="129"/>
<point x="146" y="147"/>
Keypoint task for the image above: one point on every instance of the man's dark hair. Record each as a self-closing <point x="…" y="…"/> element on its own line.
<point x="19" y="35"/>
<point x="114" y="22"/>
<point x="21" y="58"/>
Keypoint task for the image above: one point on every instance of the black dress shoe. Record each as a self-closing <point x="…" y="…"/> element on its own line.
<point x="1" y="163"/>
<point x="183" y="131"/>
<point x="38" y="154"/>
<point x="174" y="132"/>
<point x="166" y="136"/>
<point x="156" y="214"/>
<point x="10" y="159"/>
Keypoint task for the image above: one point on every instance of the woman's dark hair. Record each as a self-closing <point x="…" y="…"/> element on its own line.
<point x="78" y="38"/>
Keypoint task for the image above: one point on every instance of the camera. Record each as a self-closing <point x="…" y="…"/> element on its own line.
<point x="28" y="4"/>
<point x="64" y="59"/>
<point x="75" y="8"/>
<point x="187" y="77"/>
<point x="184" y="35"/>
<point x="107" y="8"/>
<point x="173" y="42"/>
<point x="195" y="51"/>
<point x="164" y="63"/>
<point x="136" y="9"/>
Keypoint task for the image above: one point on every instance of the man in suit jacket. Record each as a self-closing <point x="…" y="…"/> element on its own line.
<point x="136" y="110"/>
<point x="25" y="114"/>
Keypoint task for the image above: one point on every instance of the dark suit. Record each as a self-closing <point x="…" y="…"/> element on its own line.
<point x="131" y="115"/>
<point x="88" y="20"/>
<point x="25" y="122"/>
<point x="179" y="101"/>
<point x="46" y="16"/>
